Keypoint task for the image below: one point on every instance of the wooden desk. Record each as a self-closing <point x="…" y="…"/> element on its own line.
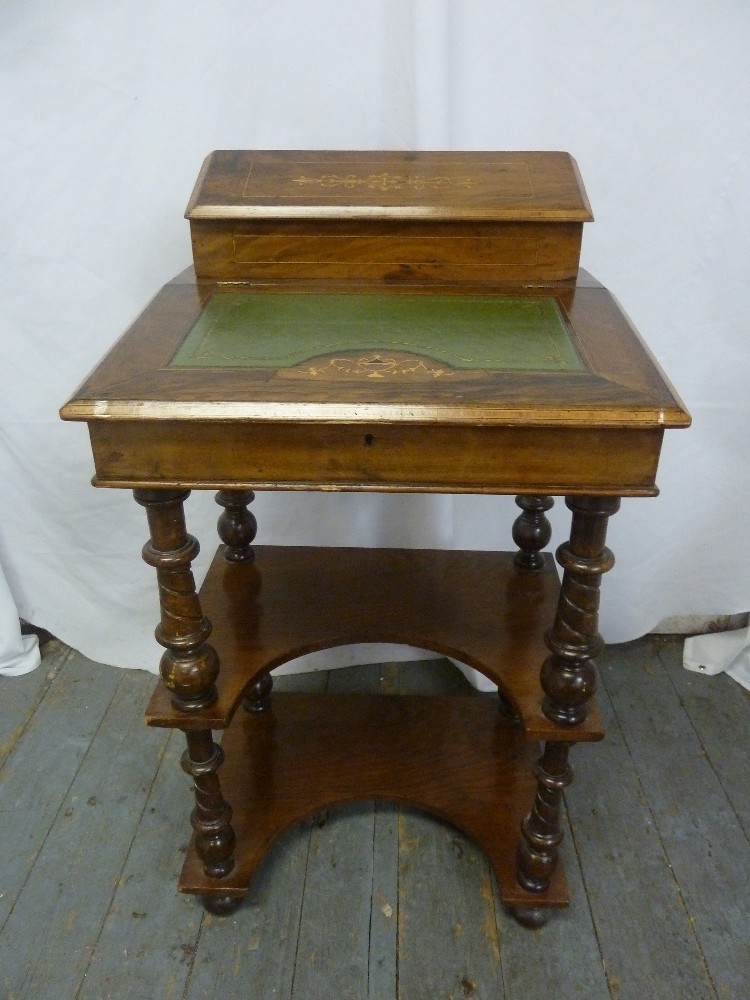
<point x="427" y="385"/>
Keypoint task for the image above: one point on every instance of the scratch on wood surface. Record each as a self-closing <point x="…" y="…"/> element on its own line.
<point x="490" y="923"/>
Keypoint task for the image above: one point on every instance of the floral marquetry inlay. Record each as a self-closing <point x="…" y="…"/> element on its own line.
<point x="387" y="182"/>
<point x="371" y="366"/>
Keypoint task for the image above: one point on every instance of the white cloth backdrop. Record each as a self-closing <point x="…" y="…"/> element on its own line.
<point x="106" y="113"/>
<point x="19" y="654"/>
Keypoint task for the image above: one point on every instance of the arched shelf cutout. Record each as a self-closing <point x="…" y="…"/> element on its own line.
<point x="475" y="607"/>
<point x="460" y="761"/>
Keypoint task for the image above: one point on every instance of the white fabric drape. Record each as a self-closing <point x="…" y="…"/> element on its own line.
<point x="19" y="654"/>
<point x="106" y="113"/>
<point x="720" y="652"/>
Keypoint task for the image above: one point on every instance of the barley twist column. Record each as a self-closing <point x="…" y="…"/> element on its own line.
<point x="541" y="830"/>
<point x="211" y="818"/>
<point x="568" y="678"/>
<point x="189" y="666"/>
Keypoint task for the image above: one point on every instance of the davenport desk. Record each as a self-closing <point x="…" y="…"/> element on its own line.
<point x="390" y="322"/>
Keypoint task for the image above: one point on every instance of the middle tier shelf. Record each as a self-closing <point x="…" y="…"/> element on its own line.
<point x="475" y="607"/>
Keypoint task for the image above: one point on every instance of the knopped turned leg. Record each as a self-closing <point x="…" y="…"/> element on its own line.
<point x="237" y="525"/>
<point x="189" y="666"/>
<point x="531" y="533"/>
<point x="568" y="678"/>
<point x="211" y="819"/>
<point x="531" y="530"/>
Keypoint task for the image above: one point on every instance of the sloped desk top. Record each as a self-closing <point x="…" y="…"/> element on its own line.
<point x="449" y="389"/>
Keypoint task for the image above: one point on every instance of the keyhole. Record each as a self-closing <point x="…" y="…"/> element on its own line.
<point x="369" y="439"/>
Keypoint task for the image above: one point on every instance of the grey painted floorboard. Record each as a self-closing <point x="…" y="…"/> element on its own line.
<point x="448" y="942"/>
<point x="76" y="872"/>
<point x="372" y="901"/>
<point x="564" y="957"/>
<point x="38" y="774"/>
<point x="382" y="972"/>
<point x="252" y="953"/>
<point x="719" y="710"/>
<point x="333" y="947"/>
<point x="147" y="941"/>
<point x="372" y="858"/>
<point x="20" y="696"/>
<point x="705" y="845"/>
<point x="647" y="940"/>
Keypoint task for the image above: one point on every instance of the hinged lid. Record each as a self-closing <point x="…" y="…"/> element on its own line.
<point x="514" y="186"/>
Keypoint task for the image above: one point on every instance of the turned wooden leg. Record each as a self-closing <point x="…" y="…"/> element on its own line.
<point x="237" y="525"/>
<point x="541" y="830"/>
<point x="568" y="676"/>
<point x="531" y="530"/>
<point x="190" y="666"/>
<point x="211" y="818"/>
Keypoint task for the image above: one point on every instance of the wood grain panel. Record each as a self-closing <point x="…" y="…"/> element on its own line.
<point x="478" y="607"/>
<point x="394" y="252"/>
<point x="405" y="457"/>
<point x="389" y="184"/>
<point x="454" y="757"/>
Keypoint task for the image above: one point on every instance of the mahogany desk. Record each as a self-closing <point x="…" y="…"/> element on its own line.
<point x="534" y="389"/>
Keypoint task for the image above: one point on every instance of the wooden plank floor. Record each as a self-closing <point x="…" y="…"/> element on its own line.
<point x="372" y="901"/>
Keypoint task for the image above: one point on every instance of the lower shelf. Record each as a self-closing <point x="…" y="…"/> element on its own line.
<point x="455" y="757"/>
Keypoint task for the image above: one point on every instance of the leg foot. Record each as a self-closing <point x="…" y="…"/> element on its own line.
<point x="222" y="906"/>
<point x="532" y="917"/>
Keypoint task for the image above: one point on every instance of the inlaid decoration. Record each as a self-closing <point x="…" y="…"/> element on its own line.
<point x="373" y="366"/>
<point x="387" y="182"/>
<point x="378" y="336"/>
<point x="481" y="181"/>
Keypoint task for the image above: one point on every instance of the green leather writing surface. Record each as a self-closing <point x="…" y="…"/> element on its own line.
<point x="475" y="332"/>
